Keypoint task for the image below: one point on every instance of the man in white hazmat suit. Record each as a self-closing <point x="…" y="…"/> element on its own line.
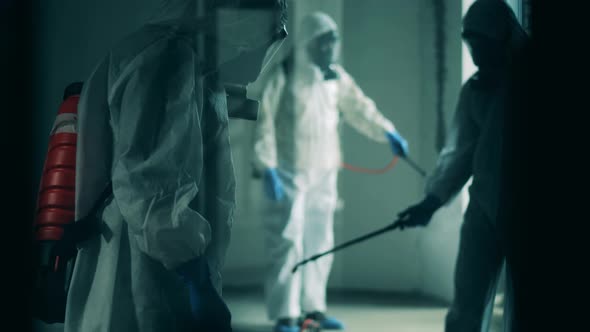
<point x="298" y="150"/>
<point x="474" y="149"/>
<point x="150" y="116"/>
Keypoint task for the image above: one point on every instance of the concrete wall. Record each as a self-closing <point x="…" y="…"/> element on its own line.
<point x="381" y="47"/>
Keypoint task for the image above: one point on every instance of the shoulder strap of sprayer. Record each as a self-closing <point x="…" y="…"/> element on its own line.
<point x="84" y="228"/>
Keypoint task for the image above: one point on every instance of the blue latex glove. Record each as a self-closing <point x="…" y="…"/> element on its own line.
<point x="208" y="308"/>
<point x="398" y="144"/>
<point x="273" y="185"/>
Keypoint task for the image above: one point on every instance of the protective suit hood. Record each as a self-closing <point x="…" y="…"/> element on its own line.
<point x="313" y="26"/>
<point x="496" y="20"/>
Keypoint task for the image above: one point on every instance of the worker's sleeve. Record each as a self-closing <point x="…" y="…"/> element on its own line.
<point x="360" y="111"/>
<point x="265" y="146"/>
<point x="454" y="165"/>
<point x="159" y="160"/>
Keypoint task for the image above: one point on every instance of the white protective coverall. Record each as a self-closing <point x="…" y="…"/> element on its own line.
<point x="474" y="149"/>
<point x="147" y="123"/>
<point x="298" y="135"/>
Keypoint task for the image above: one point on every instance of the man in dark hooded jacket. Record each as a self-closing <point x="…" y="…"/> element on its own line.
<point x="474" y="149"/>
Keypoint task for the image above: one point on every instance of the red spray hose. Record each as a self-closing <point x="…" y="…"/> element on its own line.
<point x="369" y="170"/>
